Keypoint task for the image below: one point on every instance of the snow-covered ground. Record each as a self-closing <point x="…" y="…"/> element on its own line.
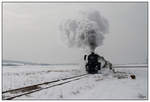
<point x="107" y="85"/>
<point x="20" y="76"/>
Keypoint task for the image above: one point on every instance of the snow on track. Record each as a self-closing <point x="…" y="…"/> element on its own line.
<point x="11" y="94"/>
<point x="106" y="85"/>
<point x="99" y="86"/>
<point x="21" y="76"/>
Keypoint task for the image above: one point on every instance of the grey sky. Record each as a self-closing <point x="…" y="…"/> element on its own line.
<point x="31" y="32"/>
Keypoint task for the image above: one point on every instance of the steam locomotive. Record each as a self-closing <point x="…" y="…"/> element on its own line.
<point x="94" y="63"/>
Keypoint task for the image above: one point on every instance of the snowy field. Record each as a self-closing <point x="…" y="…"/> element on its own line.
<point x="21" y="76"/>
<point x="106" y="85"/>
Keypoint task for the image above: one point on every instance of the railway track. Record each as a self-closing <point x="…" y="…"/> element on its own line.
<point x="14" y="93"/>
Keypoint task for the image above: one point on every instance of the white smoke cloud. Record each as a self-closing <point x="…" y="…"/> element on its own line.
<point x="85" y="31"/>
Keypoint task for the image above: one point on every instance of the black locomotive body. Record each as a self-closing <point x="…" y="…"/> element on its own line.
<point x="92" y="68"/>
<point x="93" y="65"/>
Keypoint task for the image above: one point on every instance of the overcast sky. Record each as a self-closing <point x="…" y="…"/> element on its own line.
<point x="31" y="32"/>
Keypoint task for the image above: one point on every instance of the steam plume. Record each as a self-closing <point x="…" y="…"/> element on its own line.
<point x="85" y="31"/>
